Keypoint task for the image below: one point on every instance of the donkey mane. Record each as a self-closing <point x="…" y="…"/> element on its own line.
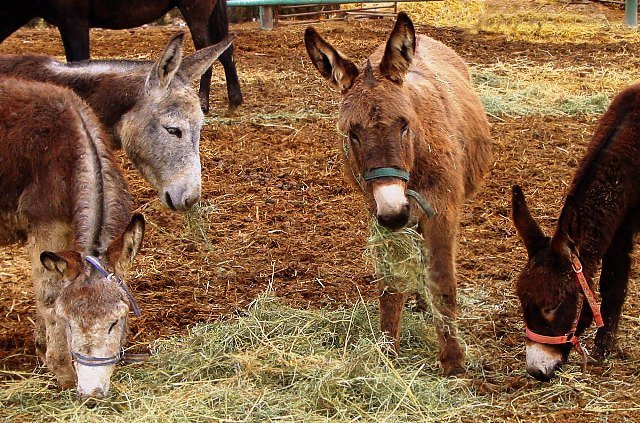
<point x="607" y="131"/>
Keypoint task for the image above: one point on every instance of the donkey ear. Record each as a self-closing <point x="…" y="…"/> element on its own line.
<point x="124" y="248"/>
<point x="199" y="62"/>
<point x="166" y="67"/>
<point x="337" y="69"/>
<point x="568" y="232"/>
<point x="65" y="264"/>
<point x="400" y="49"/>
<point x="529" y="231"/>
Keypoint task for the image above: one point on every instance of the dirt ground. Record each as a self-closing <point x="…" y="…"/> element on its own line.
<point x="277" y="212"/>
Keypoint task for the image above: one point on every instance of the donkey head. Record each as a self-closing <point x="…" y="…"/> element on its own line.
<point x="546" y="286"/>
<point x="376" y="117"/>
<point x="161" y="133"/>
<point x="94" y="308"/>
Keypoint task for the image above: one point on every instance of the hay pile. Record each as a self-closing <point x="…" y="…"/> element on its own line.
<point x="274" y="363"/>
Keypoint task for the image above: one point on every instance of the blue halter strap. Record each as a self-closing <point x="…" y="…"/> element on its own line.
<point x="392" y="172"/>
<point x="95" y="262"/>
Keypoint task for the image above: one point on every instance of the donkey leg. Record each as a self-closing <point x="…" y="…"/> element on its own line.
<point x="440" y="241"/>
<point x="391" y="305"/>
<point x="218" y="31"/>
<point x="11" y="25"/>
<point x="51" y="336"/>
<point x="75" y="38"/>
<point x="614" y="277"/>
<point x="196" y="20"/>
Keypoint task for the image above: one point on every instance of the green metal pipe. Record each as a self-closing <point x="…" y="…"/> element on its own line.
<point x="250" y="3"/>
<point x="631" y="13"/>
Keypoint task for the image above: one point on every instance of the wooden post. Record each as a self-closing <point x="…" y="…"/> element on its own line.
<point x="631" y="13"/>
<point x="266" y="17"/>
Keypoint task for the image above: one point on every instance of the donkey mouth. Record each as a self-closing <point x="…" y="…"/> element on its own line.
<point x="395" y="221"/>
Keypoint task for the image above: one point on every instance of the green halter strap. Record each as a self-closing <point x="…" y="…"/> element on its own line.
<point x="392" y="172"/>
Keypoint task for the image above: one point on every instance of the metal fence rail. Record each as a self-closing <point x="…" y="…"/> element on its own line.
<point x="267" y="15"/>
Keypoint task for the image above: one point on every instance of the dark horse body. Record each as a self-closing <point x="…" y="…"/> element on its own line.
<point x="597" y="224"/>
<point x="207" y="21"/>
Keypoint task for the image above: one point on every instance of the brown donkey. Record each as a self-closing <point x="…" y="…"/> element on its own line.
<point x="413" y="125"/>
<point x="62" y="192"/>
<point x="596" y="225"/>
<point x="150" y="107"/>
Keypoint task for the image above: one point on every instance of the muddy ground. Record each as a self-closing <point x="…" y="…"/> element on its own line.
<point x="277" y="212"/>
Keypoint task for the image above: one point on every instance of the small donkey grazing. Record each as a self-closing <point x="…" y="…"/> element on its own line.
<point x="61" y="191"/>
<point x="150" y="107"/>
<point x="415" y="128"/>
<point x="597" y="224"/>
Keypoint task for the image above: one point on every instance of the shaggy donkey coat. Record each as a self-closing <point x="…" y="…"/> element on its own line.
<point x="411" y="107"/>
<point x="62" y="193"/>
<point x="597" y="224"/>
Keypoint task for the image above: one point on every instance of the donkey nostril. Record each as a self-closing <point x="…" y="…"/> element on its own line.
<point x="189" y="202"/>
<point x="167" y="197"/>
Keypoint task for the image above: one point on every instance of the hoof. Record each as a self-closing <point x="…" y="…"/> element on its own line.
<point x="235" y="101"/>
<point x="452" y="369"/>
<point x="451" y="360"/>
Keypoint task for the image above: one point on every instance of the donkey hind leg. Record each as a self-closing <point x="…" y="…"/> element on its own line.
<point x="391" y="305"/>
<point x="75" y="38"/>
<point x="208" y="29"/>
<point x="218" y="30"/>
<point x="614" y="278"/>
<point x="52" y="345"/>
<point x="440" y="241"/>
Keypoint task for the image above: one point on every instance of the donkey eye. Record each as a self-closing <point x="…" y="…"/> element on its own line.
<point x="405" y="130"/>
<point x="176" y="132"/>
<point x="113" y="325"/>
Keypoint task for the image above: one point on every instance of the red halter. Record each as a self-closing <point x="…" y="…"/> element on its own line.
<point x="571" y="337"/>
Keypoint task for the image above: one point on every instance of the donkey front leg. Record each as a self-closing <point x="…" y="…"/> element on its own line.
<point x="391" y="305"/>
<point x="52" y="345"/>
<point x="441" y="282"/>
<point x="614" y="277"/>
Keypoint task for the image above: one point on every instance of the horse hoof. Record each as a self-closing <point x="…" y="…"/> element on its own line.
<point x="235" y="101"/>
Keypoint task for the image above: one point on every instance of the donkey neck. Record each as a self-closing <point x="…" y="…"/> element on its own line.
<point x="605" y="186"/>
<point x="111" y="88"/>
<point x="102" y="203"/>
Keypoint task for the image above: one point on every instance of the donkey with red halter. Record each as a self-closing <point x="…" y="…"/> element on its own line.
<point x="596" y="226"/>
<point x="207" y="20"/>
<point x="62" y="193"/>
<point x="415" y="129"/>
<point x="151" y="109"/>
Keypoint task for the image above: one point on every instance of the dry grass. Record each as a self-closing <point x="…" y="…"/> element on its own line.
<point x="275" y="363"/>
<point x="533" y="20"/>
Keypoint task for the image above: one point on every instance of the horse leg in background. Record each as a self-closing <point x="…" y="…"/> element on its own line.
<point x="8" y="27"/>
<point x="391" y="305"/>
<point x="209" y="27"/>
<point x="614" y="277"/>
<point x="51" y="340"/>
<point x="440" y="241"/>
<point x="75" y="38"/>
